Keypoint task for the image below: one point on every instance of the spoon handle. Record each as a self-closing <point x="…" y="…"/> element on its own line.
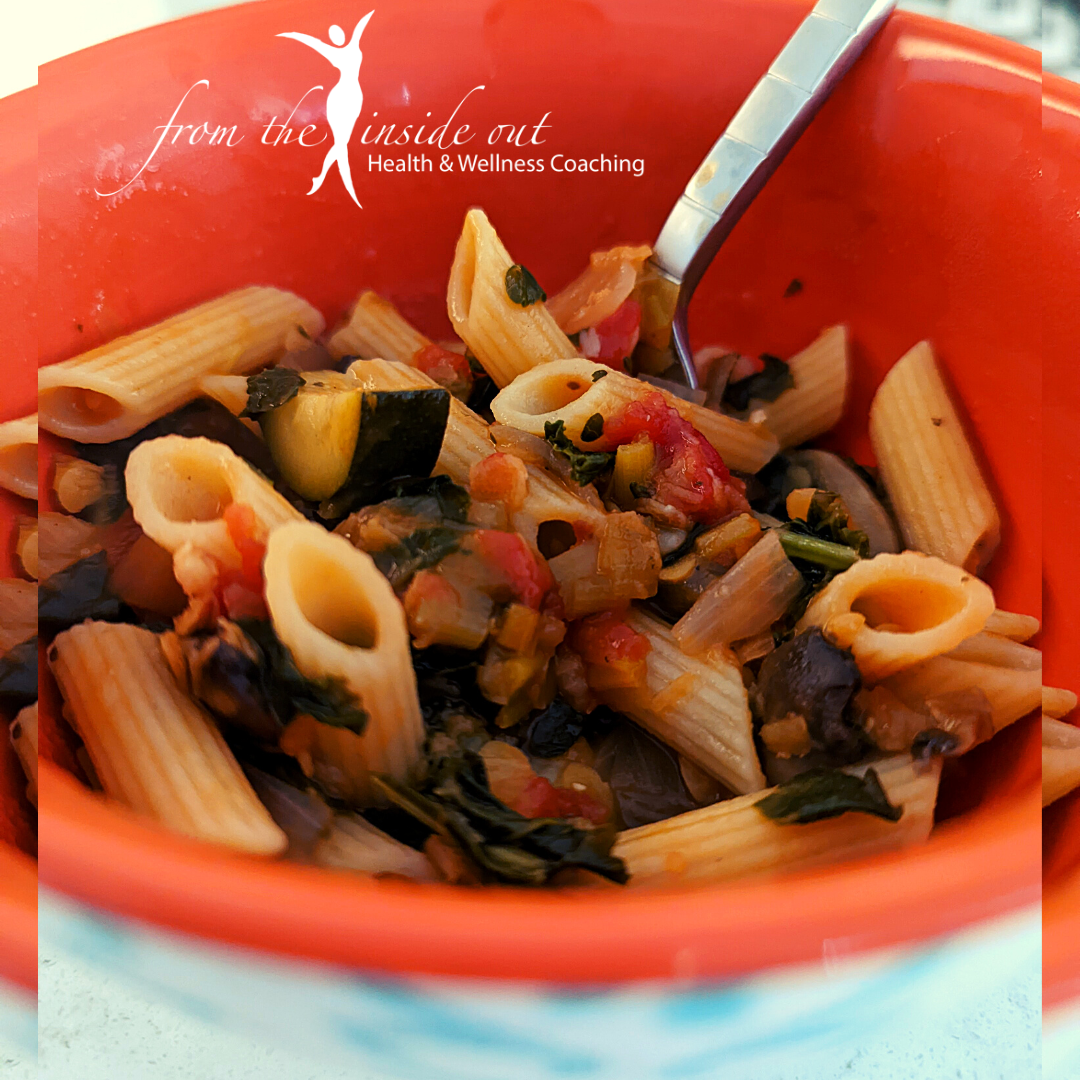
<point x="770" y="120"/>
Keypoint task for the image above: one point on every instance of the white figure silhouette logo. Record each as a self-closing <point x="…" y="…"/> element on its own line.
<point x="344" y="102"/>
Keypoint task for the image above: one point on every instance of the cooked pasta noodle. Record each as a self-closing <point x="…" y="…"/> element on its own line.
<point x="941" y="499"/>
<point x="987" y="648"/>
<point x="355" y="844"/>
<point x="1060" y="759"/>
<point x="505" y="337"/>
<point x="116" y="389"/>
<point x="375" y="329"/>
<point x="152" y="747"/>
<point x="574" y="390"/>
<point x="708" y="721"/>
<point x="816" y="402"/>
<point x="1057" y="703"/>
<point x="19" y="456"/>
<point x="732" y="839"/>
<point x="1011" y="625"/>
<point x="179" y="490"/>
<point x="24" y="737"/>
<point x="339" y="618"/>
<point x="912" y="607"/>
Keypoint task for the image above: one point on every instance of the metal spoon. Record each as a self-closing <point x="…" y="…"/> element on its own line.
<point x="769" y="122"/>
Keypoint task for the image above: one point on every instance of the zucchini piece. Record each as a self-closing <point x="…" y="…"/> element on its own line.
<point x="312" y="437"/>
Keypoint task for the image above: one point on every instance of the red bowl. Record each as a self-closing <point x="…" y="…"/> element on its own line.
<point x="18" y="344"/>
<point x="910" y="209"/>
<point x="1061" y="395"/>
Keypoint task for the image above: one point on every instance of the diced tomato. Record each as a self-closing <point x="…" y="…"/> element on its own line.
<point x="448" y="369"/>
<point x="527" y="577"/>
<point x="240" y="589"/>
<point x="541" y="798"/>
<point x="688" y="474"/>
<point x="613" y="339"/>
<point x="614" y="653"/>
<point x="499" y="478"/>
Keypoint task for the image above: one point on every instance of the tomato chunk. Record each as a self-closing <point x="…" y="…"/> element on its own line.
<point x="527" y="577"/>
<point x="240" y="590"/>
<point x="689" y="474"/>
<point x="612" y="340"/>
<point x="614" y="653"/>
<point x="541" y="798"/>
<point x="449" y="369"/>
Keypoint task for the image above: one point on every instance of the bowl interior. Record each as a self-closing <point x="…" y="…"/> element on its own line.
<point x="908" y="210"/>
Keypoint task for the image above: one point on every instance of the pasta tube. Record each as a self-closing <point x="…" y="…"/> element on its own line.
<point x="987" y="648"/>
<point x="907" y="607"/>
<point x="698" y="705"/>
<point x="19" y="456"/>
<point x="24" y="737"/>
<point x="745" y="601"/>
<point x="1060" y="759"/>
<point x="179" y="489"/>
<point x="1009" y="624"/>
<point x="153" y="748"/>
<point x="376" y="329"/>
<point x="928" y="467"/>
<point x="504" y="336"/>
<point x="815" y="403"/>
<point x="1012" y="692"/>
<point x="1057" y="703"/>
<point x="355" y="844"/>
<point x="574" y="390"/>
<point x="118" y="388"/>
<point x="339" y="618"/>
<point x="732" y="839"/>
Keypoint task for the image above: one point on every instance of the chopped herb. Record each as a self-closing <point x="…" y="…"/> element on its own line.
<point x="593" y="428"/>
<point x="819" y="794"/>
<point x="639" y="490"/>
<point x="795" y="287"/>
<point x="509" y="847"/>
<point x="270" y="389"/>
<point x="767" y="385"/>
<point x="401" y="434"/>
<point x="598" y="375"/>
<point x="19" y="674"/>
<point x="672" y="557"/>
<point x="575" y="338"/>
<point x="418" y="551"/>
<point x="302" y="332"/>
<point x="823" y="544"/>
<point x="454" y="500"/>
<point x="522" y="287"/>
<point x="79" y="591"/>
<point x="585" y="465"/>
<point x="289" y="693"/>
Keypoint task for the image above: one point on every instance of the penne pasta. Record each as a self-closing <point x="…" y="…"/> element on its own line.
<point x="698" y="705"/>
<point x="987" y="648"/>
<point x="180" y="488"/>
<point x="504" y="336"/>
<point x="375" y="329"/>
<point x="1060" y="759"/>
<point x="745" y="601"/>
<point x="24" y="737"/>
<point x="118" y="388"/>
<point x="574" y="390"/>
<point x="894" y="611"/>
<point x="339" y="618"/>
<point x="19" y="456"/>
<point x="152" y="747"/>
<point x="1012" y="692"/>
<point x="355" y="844"/>
<point x="938" y="492"/>
<point x="1057" y="703"/>
<point x="1009" y="624"/>
<point x="733" y="839"/>
<point x="816" y="402"/>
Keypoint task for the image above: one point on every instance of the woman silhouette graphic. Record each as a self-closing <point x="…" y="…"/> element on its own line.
<point x="344" y="102"/>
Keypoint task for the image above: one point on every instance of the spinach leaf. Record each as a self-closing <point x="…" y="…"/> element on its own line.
<point x="79" y="591"/>
<point x="597" y="375"/>
<point x="767" y="385"/>
<point x="585" y="465"/>
<point x="19" y="674"/>
<point x="453" y="500"/>
<point x="522" y="288"/>
<point x="288" y="693"/>
<point x="270" y="389"/>
<point x="819" y="794"/>
<point x="401" y="434"/>
<point x="593" y="428"/>
<point x="418" y="551"/>
<point x="827" y="518"/>
<point x="459" y="806"/>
